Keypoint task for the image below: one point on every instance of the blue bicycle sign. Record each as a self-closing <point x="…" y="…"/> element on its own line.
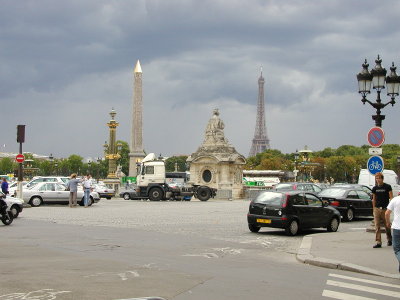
<point x="375" y="164"/>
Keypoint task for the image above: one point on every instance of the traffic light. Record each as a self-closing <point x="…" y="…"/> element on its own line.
<point x="16" y="173"/>
<point x="20" y="133"/>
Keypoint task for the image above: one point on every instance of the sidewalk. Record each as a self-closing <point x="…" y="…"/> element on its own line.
<point x="351" y="251"/>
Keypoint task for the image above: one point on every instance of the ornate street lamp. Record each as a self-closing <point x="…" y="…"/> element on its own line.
<point x="112" y="149"/>
<point x="296" y="158"/>
<point x="378" y="79"/>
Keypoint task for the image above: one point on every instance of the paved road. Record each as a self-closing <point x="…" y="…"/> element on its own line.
<point x="176" y="250"/>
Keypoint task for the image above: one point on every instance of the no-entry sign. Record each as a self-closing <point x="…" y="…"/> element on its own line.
<point x="376" y="136"/>
<point x="20" y="158"/>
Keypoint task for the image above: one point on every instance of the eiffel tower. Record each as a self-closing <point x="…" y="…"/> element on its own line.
<point x="260" y="140"/>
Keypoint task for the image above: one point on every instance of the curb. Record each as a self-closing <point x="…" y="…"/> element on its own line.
<point x="304" y="255"/>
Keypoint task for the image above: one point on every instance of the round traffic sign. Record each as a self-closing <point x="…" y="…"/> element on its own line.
<point x="376" y="136"/>
<point x="375" y="164"/>
<point x="20" y="158"/>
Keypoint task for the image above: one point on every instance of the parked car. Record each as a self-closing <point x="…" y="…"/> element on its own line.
<point x="129" y="192"/>
<point x="104" y="191"/>
<point x="301" y="186"/>
<point x="14" y="186"/>
<point x="355" y="186"/>
<point x="350" y="202"/>
<point x="15" y="204"/>
<point x="292" y="211"/>
<point x="60" y="179"/>
<point x="54" y="192"/>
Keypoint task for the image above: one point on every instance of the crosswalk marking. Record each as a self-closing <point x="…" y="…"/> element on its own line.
<point x="362" y="288"/>
<point x="365" y="280"/>
<point x="343" y="296"/>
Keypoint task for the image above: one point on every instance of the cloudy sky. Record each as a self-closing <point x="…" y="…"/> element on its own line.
<point x="65" y="64"/>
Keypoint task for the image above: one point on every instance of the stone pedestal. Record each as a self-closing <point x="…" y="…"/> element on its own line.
<point x="113" y="183"/>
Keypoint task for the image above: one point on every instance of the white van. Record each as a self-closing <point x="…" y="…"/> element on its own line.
<point x="390" y="177"/>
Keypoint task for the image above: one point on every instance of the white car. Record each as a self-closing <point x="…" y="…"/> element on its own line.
<point x="104" y="191"/>
<point x="15" y="204"/>
<point x="14" y="186"/>
<point x="54" y="192"/>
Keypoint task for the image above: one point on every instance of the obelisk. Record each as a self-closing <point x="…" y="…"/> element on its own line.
<point x="137" y="153"/>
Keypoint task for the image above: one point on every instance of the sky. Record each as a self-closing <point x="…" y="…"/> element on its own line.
<point x="65" y="64"/>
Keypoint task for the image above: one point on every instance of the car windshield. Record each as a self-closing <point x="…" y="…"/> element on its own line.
<point x="65" y="179"/>
<point x="269" y="198"/>
<point x="332" y="192"/>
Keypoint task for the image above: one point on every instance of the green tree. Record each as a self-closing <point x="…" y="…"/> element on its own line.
<point x="7" y="166"/>
<point x="179" y="160"/>
<point x="75" y="164"/>
<point x="124" y="160"/>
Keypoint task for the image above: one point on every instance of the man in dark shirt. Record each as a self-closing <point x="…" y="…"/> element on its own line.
<point x="381" y="195"/>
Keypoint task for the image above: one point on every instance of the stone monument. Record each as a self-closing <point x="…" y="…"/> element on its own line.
<point x="216" y="163"/>
<point x="136" y="150"/>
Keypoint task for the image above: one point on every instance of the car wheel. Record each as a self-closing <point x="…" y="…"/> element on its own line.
<point x="15" y="211"/>
<point x="7" y="219"/>
<point x="36" y="201"/>
<point x="349" y="216"/>
<point x="333" y="225"/>
<point x="254" y="228"/>
<point x="126" y="196"/>
<point x="292" y="228"/>
<point x="108" y="198"/>
<point x="155" y="194"/>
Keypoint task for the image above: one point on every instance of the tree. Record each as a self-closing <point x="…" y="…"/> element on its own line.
<point x="124" y="160"/>
<point x="179" y="160"/>
<point x="7" y="165"/>
<point x="75" y="164"/>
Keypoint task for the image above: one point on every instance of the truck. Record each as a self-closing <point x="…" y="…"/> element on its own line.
<point x="390" y="177"/>
<point x="153" y="183"/>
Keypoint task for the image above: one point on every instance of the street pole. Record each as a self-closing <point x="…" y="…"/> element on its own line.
<point x="20" y="140"/>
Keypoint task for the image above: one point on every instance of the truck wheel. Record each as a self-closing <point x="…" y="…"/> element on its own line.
<point x="203" y="193"/>
<point x="155" y="194"/>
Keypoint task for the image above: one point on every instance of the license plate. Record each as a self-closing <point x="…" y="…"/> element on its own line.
<point x="263" y="221"/>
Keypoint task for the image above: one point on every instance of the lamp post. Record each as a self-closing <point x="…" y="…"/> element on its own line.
<point x="51" y="159"/>
<point x="296" y="158"/>
<point x="378" y="79"/>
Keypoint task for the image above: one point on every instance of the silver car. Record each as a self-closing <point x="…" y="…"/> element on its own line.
<point x="54" y="192"/>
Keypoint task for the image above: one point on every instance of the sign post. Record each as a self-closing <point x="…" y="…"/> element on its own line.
<point x="375" y="137"/>
<point x="20" y="158"/>
<point x="375" y="164"/>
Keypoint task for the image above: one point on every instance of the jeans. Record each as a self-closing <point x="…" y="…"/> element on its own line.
<point x="396" y="244"/>
<point x="86" y="198"/>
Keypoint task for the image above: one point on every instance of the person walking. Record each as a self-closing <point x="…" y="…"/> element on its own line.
<point x="394" y="206"/>
<point x="4" y="186"/>
<point x="381" y="195"/>
<point x="87" y="188"/>
<point x="73" y="189"/>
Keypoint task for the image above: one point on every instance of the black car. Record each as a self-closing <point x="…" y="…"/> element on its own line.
<point x="350" y="202"/>
<point x="355" y="186"/>
<point x="292" y="211"/>
<point x="301" y="186"/>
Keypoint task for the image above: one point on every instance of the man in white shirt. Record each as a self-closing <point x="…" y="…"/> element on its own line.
<point x="87" y="187"/>
<point x="394" y="206"/>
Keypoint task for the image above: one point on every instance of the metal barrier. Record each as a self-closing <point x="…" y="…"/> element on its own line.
<point x="224" y="194"/>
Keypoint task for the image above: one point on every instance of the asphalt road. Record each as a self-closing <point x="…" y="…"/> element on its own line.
<point x="120" y="249"/>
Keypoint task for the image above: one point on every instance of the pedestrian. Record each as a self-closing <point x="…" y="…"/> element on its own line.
<point x="381" y="195"/>
<point x="4" y="186"/>
<point x="87" y="188"/>
<point x="73" y="189"/>
<point x="394" y="206"/>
